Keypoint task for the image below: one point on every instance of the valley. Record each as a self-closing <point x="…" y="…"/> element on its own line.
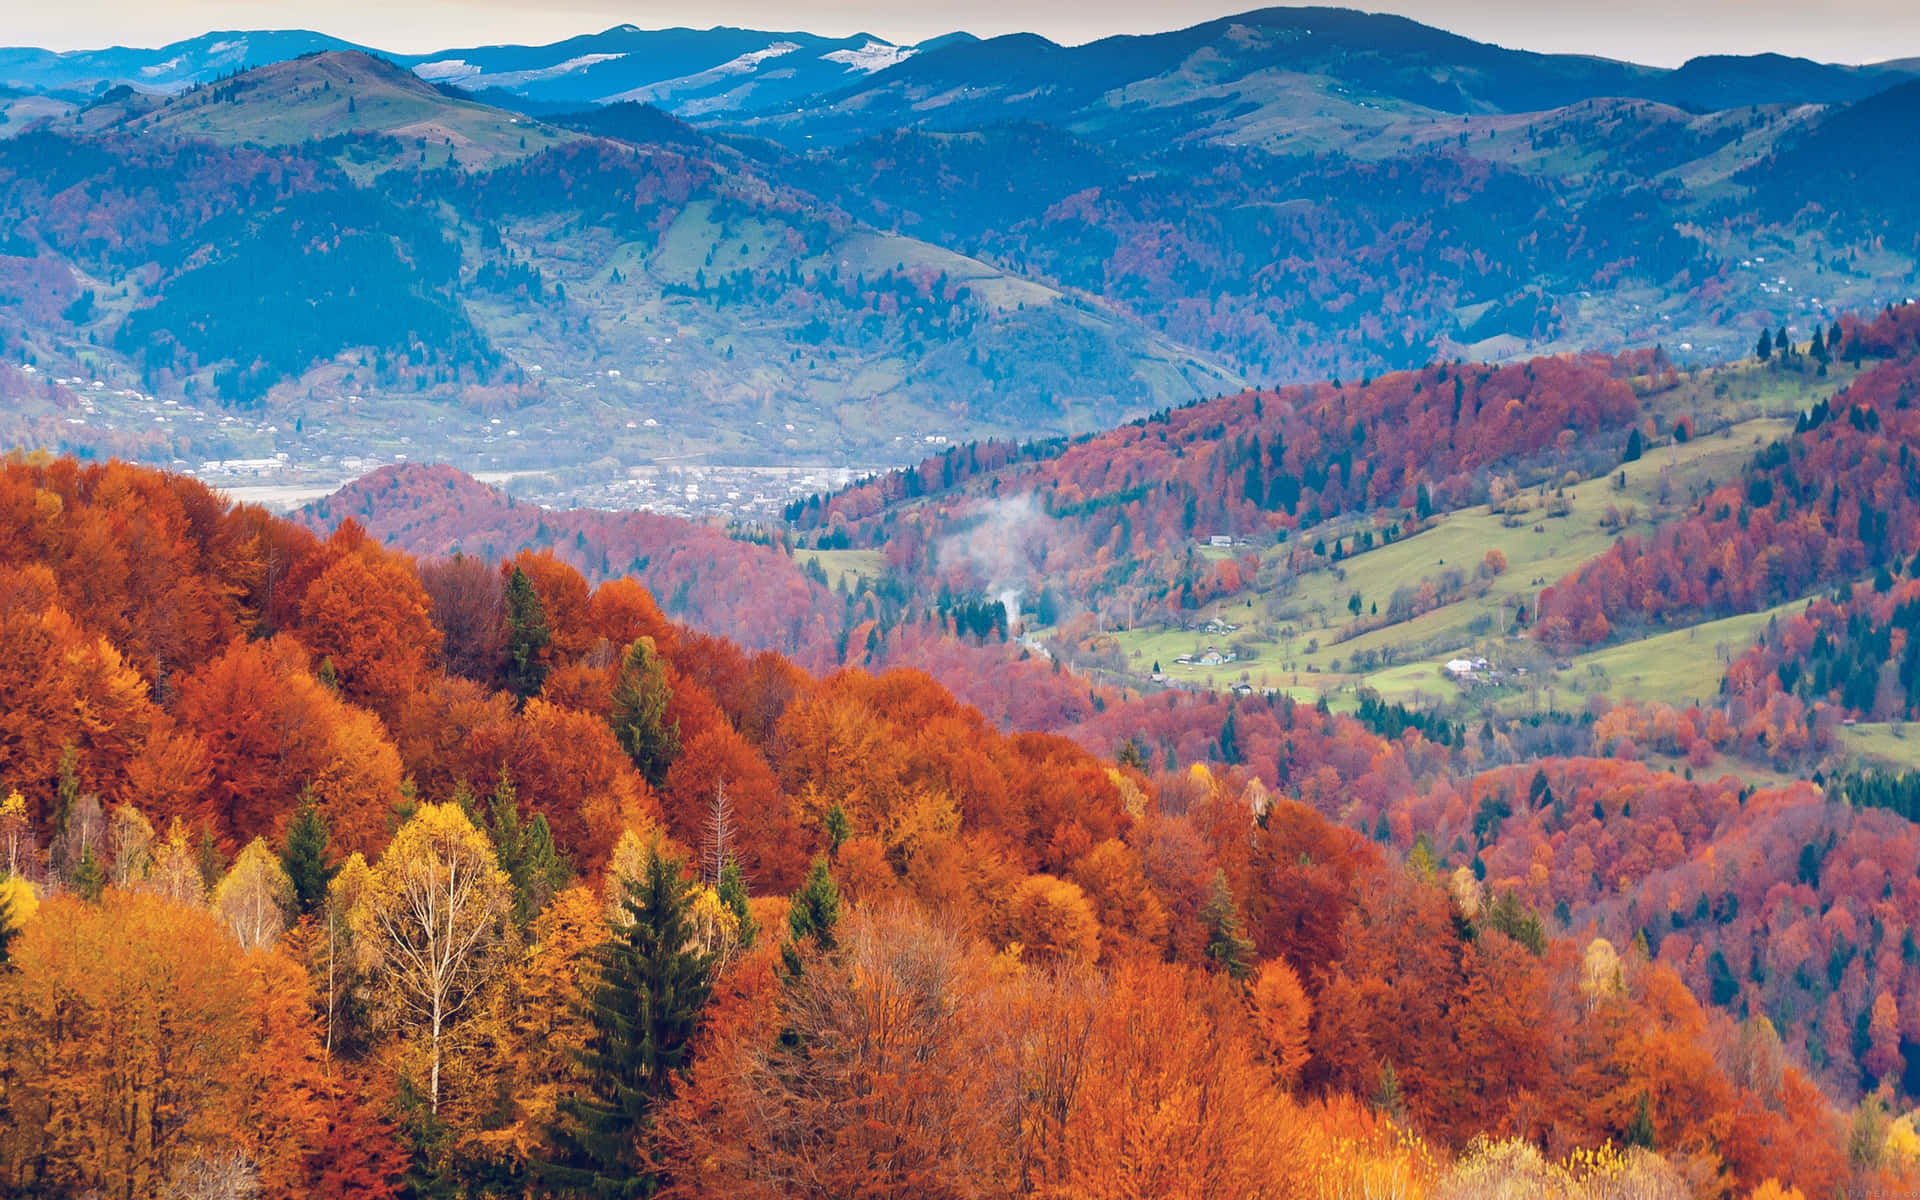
<point x="1263" y="201"/>
<point x="1301" y="608"/>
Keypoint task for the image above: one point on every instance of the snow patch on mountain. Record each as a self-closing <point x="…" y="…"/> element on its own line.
<point x="745" y="64"/>
<point x="874" y="56"/>
<point x="465" y="74"/>
<point x="446" y="70"/>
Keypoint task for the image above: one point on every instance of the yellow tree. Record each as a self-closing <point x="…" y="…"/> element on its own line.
<point x="538" y="1019"/>
<point x="335" y="952"/>
<point x="16" y="833"/>
<point x="121" y="1030"/>
<point x="1052" y="919"/>
<point x="173" y="871"/>
<point x="255" y="897"/>
<point x="433" y="919"/>
<point x="129" y="845"/>
<point x="18" y="900"/>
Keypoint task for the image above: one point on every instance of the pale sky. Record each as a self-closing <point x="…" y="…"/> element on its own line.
<point x="1657" y="32"/>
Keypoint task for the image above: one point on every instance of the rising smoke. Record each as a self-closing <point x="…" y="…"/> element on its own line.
<point x="1001" y="551"/>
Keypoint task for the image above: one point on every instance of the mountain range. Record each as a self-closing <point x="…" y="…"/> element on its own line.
<point x="804" y="80"/>
<point x="762" y="249"/>
<point x="686" y="70"/>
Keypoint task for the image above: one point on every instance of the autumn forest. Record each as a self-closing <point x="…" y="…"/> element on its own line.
<point x="1298" y="609"/>
<point x="334" y="871"/>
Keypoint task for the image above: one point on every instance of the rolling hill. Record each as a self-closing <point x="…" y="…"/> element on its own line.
<point x="361" y="251"/>
<point x="1044" y="240"/>
<point x="341" y="93"/>
<point x="168" y="69"/>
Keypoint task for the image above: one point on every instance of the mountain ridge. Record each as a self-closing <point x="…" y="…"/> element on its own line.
<point x="625" y="60"/>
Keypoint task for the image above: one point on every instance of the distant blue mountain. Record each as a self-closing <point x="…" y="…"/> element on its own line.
<point x="169" y="69"/>
<point x="1219" y="67"/>
<point x="801" y="87"/>
<point x="685" y="71"/>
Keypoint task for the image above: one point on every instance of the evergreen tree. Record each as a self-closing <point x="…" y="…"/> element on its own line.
<point x="1511" y="916"/>
<point x="643" y="1012"/>
<point x="1387" y="1096"/>
<point x="733" y="894"/>
<point x="527" y="636"/>
<point x="89" y="878"/>
<point x="1540" y="791"/>
<point x="534" y="866"/>
<point x="207" y="856"/>
<point x="640" y="699"/>
<point x="1640" y="1132"/>
<point x="1230" y="740"/>
<point x="1228" y="946"/>
<point x="813" y="916"/>
<point x="9" y="930"/>
<point x="305" y="855"/>
<point x="1763" y="349"/>
<point x="544" y="870"/>
<point x="839" y="827"/>
<point x="1636" y="446"/>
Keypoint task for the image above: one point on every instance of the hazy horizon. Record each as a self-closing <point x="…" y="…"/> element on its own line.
<point x="1643" y="31"/>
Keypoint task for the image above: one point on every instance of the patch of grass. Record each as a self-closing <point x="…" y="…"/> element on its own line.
<point x="844" y="567"/>
<point x="1679" y="666"/>
<point x="1889" y="745"/>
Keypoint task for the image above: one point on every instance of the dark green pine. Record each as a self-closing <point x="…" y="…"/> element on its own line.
<point x="643" y="1011"/>
<point x="305" y="855"/>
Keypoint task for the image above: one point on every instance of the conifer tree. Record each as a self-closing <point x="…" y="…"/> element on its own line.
<point x="1230" y="739"/>
<point x="9" y="929"/>
<point x="1228" y="946"/>
<point x="304" y="858"/>
<point x="67" y="791"/>
<point x="839" y="827"/>
<point x="643" y="1013"/>
<point x="207" y="856"/>
<point x="813" y="916"/>
<point x="89" y="878"/>
<point x="733" y="894"/>
<point x="1640" y="1132"/>
<point x="533" y="864"/>
<point x="1540" y="791"/>
<point x="527" y="636"/>
<point x="1387" y="1096"/>
<point x="640" y="698"/>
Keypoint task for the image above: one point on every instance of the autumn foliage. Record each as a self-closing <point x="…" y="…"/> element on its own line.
<point x="1264" y="952"/>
